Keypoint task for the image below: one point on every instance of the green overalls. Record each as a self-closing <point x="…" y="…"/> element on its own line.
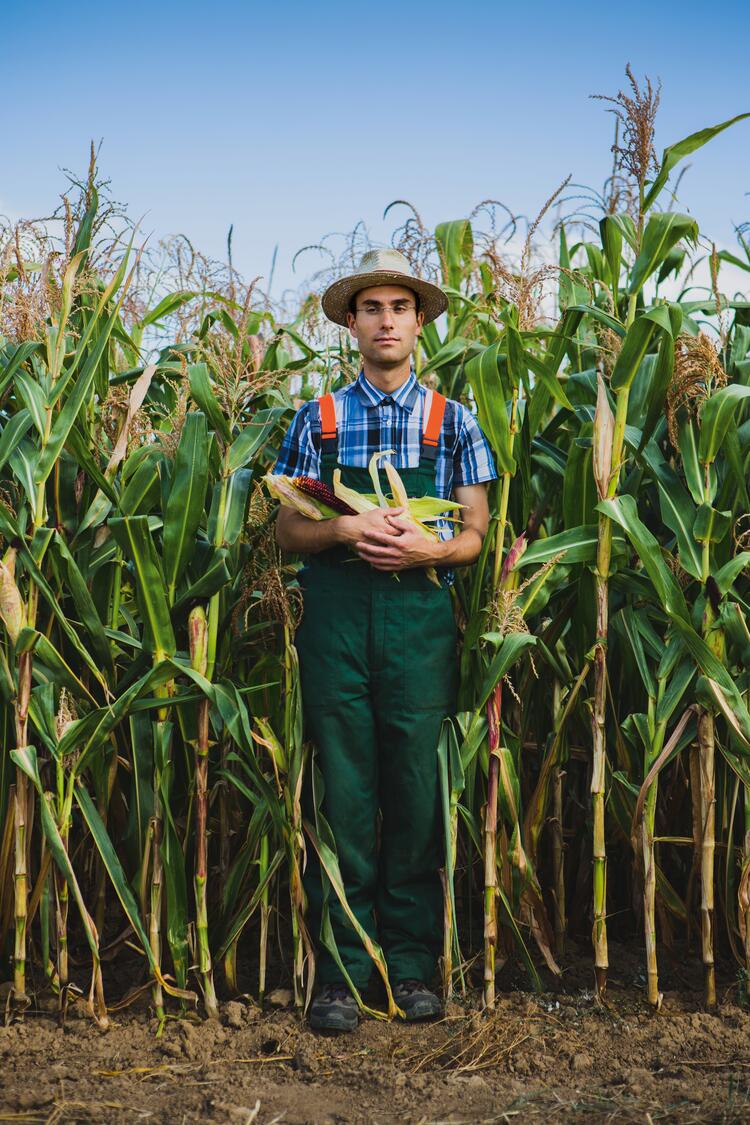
<point x="379" y="673"/>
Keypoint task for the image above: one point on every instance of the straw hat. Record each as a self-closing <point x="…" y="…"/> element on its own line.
<point x="382" y="267"/>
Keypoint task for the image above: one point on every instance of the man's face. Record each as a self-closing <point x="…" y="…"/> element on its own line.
<point x="386" y="324"/>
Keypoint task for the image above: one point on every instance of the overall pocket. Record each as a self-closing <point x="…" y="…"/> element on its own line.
<point x="430" y="655"/>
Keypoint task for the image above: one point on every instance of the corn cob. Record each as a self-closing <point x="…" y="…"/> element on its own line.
<point x="321" y="492"/>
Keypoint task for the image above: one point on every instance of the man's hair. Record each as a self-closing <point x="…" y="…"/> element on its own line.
<point x="352" y="306"/>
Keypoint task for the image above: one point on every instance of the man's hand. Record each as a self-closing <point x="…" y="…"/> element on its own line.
<point x="411" y="549"/>
<point x="387" y="540"/>
<point x="353" y="530"/>
<point x="295" y="532"/>
<point x="399" y="545"/>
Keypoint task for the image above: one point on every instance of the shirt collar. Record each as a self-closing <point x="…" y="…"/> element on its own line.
<point x="405" y="396"/>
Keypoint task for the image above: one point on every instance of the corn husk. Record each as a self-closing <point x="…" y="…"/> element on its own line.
<point x="420" y="511"/>
<point x="12" y="609"/>
<point x="198" y="639"/>
<point x="604" y="429"/>
<point x="283" y="490"/>
<point x="356" y="500"/>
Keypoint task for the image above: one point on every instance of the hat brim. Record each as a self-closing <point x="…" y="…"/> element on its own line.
<point x="335" y="302"/>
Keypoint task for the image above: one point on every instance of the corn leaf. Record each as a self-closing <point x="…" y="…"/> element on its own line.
<point x="187" y="497"/>
<point x="134" y="537"/>
<point x="673" y="154"/>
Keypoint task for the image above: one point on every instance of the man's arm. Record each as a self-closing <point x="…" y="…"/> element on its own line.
<point x="411" y="549"/>
<point x="295" y="532"/>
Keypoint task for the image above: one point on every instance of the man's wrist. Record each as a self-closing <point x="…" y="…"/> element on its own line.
<point x="441" y="552"/>
<point x="339" y="526"/>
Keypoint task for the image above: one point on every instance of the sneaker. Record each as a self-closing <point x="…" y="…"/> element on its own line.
<point x="416" y="1001"/>
<point x="334" y="1009"/>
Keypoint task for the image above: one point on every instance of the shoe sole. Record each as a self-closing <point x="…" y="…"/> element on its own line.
<point x="422" y="1012"/>
<point x="333" y="1023"/>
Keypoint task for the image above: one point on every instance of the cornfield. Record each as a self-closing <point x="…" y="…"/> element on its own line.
<point x="153" y="751"/>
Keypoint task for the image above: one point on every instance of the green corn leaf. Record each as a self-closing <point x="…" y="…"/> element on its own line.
<point x="611" y="235"/>
<point x="12" y="533"/>
<point x="247" y="445"/>
<point x="25" y="758"/>
<point x="678" y="683"/>
<point x="634" y="348"/>
<point x="605" y="318"/>
<point x="227" y="516"/>
<point x="173" y="858"/>
<point x="663" y="231"/>
<point x="84" y="603"/>
<point x="243" y="916"/>
<point x="202" y="392"/>
<point x="114" y="869"/>
<point x="726" y="576"/>
<point x="716" y="417"/>
<point x="32" y="396"/>
<point x="677" y="509"/>
<point x="673" y="154"/>
<point x="511" y="648"/>
<point x="550" y="382"/>
<point x="624" y="512"/>
<point x="187" y="497"/>
<point x="142" y="491"/>
<point x="15" y="361"/>
<point x="168" y="306"/>
<point x="78" y="448"/>
<point x="455" y="244"/>
<point x="711" y="526"/>
<point x="627" y="620"/>
<point x="655" y="393"/>
<point x="29" y="640"/>
<point x="22" y="461"/>
<point x="215" y="574"/>
<point x="451" y="352"/>
<point x="637" y="343"/>
<point x="688" y="443"/>
<point x="134" y="537"/>
<point x="75" y="401"/>
<point x="484" y="375"/>
<point x="578" y="543"/>
<point x="13" y="433"/>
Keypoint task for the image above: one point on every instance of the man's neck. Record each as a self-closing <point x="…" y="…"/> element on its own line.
<point x="387" y="379"/>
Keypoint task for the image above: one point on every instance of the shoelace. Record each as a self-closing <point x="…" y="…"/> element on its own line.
<point x="336" y="992"/>
<point x="410" y="986"/>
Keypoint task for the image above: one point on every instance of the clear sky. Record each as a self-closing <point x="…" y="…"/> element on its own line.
<point x="291" y="120"/>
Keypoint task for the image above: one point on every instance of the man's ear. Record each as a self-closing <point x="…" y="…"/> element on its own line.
<point x="351" y="321"/>
<point x="420" y="322"/>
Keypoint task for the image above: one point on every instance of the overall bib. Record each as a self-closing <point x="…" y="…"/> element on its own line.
<point x="378" y="669"/>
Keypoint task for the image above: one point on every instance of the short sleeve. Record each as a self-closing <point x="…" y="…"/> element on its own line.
<point x="473" y="462"/>
<point x="298" y="456"/>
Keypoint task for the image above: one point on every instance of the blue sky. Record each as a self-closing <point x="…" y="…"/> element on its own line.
<point x="291" y="120"/>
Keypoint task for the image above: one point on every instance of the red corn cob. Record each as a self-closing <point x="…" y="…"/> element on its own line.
<point x="317" y="490"/>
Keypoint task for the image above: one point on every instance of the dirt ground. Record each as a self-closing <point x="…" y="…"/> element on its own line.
<point x="557" y="1055"/>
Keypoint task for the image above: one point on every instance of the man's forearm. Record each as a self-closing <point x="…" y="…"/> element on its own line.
<point x="300" y="535"/>
<point x="462" y="550"/>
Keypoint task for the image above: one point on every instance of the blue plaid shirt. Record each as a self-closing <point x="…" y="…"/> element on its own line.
<point x="368" y="421"/>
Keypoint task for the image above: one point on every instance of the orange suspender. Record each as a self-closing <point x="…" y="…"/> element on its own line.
<point x="327" y="417"/>
<point x="433" y="422"/>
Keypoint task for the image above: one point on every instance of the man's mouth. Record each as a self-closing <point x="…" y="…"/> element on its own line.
<point x="386" y="339"/>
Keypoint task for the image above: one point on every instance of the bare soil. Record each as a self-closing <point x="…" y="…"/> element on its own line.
<point x="557" y="1055"/>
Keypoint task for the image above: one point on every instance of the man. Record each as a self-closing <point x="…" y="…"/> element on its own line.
<point x="377" y="643"/>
